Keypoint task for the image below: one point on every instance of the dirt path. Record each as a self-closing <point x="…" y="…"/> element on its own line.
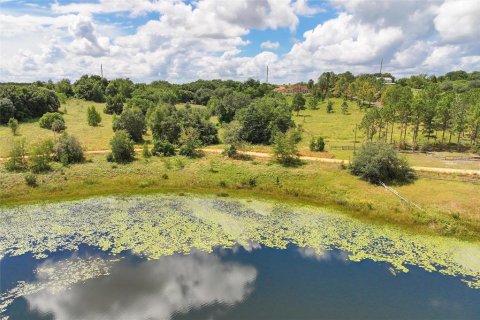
<point x="307" y="158"/>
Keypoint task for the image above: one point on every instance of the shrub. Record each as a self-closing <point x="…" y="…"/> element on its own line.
<point x="114" y="105"/>
<point x="13" y="125"/>
<point x="58" y="125"/>
<point x="164" y="148"/>
<point x="122" y="147"/>
<point x="317" y="144"/>
<point x="31" y="180"/>
<point x="68" y="150"/>
<point x="379" y="162"/>
<point x="7" y="110"/>
<point x="46" y="121"/>
<point x="231" y="151"/>
<point x="17" y="159"/>
<point x="189" y="143"/>
<point x="40" y="156"/>
<point x="93" y="117"/>
<point x="329" y="107"/>
<point x="145" y="152"/>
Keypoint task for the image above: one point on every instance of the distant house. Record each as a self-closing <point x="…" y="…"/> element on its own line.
<point x="386" y="80"/>
<point x="292" y="89"/>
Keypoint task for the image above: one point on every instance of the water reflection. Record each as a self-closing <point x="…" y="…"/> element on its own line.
<point x="152" y="289"/>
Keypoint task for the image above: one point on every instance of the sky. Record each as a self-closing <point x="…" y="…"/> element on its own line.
<point x="185" y="40"/>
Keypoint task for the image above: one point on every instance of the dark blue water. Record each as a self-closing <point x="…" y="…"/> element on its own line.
<point x="262" y="283"/>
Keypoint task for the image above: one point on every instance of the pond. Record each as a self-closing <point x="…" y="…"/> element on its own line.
<point x="172" y="257"/>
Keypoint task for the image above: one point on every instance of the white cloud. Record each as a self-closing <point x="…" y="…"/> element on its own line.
<point x="207" y="39"/>
<point x="270" y="45"/>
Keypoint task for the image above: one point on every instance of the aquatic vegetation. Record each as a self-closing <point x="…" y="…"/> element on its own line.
<point x="156" y="226"/>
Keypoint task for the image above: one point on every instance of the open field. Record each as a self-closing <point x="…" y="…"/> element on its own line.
<point x="451" y="203"/>
<point x="337" y="128"/>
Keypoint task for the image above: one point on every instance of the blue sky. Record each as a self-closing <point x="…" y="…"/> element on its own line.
<point x="180" y="40"/>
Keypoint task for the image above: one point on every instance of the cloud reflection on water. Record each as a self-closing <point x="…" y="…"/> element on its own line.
<point x="152" y="289"/>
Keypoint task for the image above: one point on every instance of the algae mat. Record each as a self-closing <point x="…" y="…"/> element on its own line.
<point x="156" y="226"/>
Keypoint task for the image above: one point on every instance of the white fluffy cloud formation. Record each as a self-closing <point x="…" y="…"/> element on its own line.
<point x="181" y="41"/>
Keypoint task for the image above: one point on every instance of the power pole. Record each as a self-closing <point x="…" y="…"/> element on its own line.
<point x="101" y="69"/>
<point x="267" y="73"/>
<point x="381" y="65"/>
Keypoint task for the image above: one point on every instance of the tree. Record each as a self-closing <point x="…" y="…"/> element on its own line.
<point x="90" y="88"/>
<point x="122" y="147"/>
<point x="67" y="149"/>
<point x="145" y="152"/>
<point x="298" y="103"/>
<point x="164" y="148"/>
<point x="7" y="110"/>
<point x="344" y="107"/>
<point x="133" y="121"/>
<point x="47" y="120"/>
<point x="13" y="125"/>
<point x="317" y="144"/>
<point x="263" y="118"/>
<point x="313" y="102"/>
<point x="17" y="158"/>
<point x="93" y="117"/>
<point x="189" y="142"/>
<point x="226" y="107"/>
<point x="378" y="162"/>
<point x="40" y="156"/>
<point x="285" y="147"/>
<point x="64" y="86"/>
<point x="114" y="104"/>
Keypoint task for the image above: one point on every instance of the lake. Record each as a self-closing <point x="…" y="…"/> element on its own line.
<point x="172" y="257"/>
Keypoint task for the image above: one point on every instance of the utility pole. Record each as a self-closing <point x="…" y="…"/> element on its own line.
<point x="381" y="66"/>
<point x="267" y="73"/>
<point x="101" y="70"/>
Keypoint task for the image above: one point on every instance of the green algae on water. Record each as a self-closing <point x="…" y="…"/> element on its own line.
<point x="156" y="226"/>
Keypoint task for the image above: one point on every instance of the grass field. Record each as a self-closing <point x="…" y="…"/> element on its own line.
<point x="338" y="129"/>
<point x="452" y="204"/>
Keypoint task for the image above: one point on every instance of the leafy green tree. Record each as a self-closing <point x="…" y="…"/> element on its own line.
<point x="227" y="106"/>
<point x="298" y="103"/>
<point x="164" y="148"/>
<point x="378" y="162"/>
<point x="91" y="88"/>
<point x="189" y="142"/>
<point x="47" y="120"/>
<point x="41" y="156"/>
<point x="120" y="87"/>
<point x="17" y="157"/>
<point x="7" y="110"/>
<point x="133" y="121"/>
<point x="13" y="125"/>
<point x="459" y="116"/>
<point x="285" y="147"/>
<point x="67" y="149"/>
<point x="114" y="104"/>
<point x="329" y="106"/>
<point x="263" y="118"/>
<point x="313" y="102"/>
<point x="122" y="147"/>
<point x="64" y="86"/>
<point x="93" y="117"/>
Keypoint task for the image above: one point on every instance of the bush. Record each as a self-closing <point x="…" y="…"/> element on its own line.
<point x="114" y="105"/>
<point x="189" y="143"/>
<point x="31" y="180"/>
<point x="379" y="162"/>
<point x="122" y="147"/>
<point x="47" y="120"/>
<point x="93" y="117"/>
<point x="40" y="156"/>
<point x="58" y="125"/>
<point x="17" y="160"/>
<point x="7" y="110"/>
<point x="13" y="125"/>
<point x="164" y="148"/>
<point x="317" y="144"/>
<point x="231" y="151"/>
<point x="145" y="152"/>
<point x="68" y="150"/>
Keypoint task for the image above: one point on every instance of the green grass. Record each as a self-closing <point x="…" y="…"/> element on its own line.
<point x="92" y="138"/>
<point x="452" y="205"/>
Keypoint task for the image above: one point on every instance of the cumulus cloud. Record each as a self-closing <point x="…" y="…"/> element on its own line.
<point x="270" y="45"/>
<point x="188" y="40"/>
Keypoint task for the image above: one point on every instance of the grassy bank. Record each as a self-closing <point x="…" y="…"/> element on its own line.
<point x="451" y="204"/>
